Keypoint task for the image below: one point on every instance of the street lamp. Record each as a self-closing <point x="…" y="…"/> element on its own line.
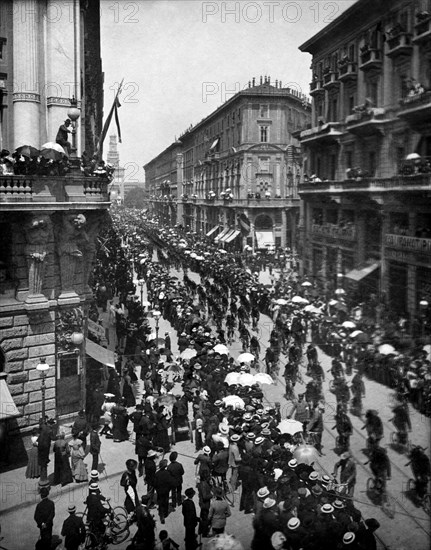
<point x="74" y="113"/>
<point x="423" y="306"/>
<point x="156" y="316"/>
<point x="43" y="367"/>
<point x="141" y="283"/>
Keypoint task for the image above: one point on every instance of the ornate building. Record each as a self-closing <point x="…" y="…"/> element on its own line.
<point x="113" y="158"/>
<point x="48" y="223"/>
<point x="367" y="208"/>
<point x="235" y="173"/>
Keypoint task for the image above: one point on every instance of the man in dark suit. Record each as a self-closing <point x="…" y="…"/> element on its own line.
<point x="190" y="519"/>
<point x="81" y="428"/>
<point x="95" y="445"/>
<point x="44" y="517"/>
<point x="73" y="530"/>
<point x="163" y="483"/>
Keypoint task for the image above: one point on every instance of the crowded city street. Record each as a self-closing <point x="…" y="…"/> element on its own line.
<point x="131" y="257"/>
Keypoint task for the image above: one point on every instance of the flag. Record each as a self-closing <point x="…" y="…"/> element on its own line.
<point x="245" y="224"/>
<point x="113" y="111"/>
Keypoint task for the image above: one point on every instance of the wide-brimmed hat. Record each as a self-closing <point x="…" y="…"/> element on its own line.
<point x="235" y="437"/>
<point x="269" y="503"/>
<point x="218" y="403"/>
<point x="151" y="454"/>
<point x="224" y="430"/>
<point x="94" y="487"/>
<point x="317" y="490"/>
<point x="314" y="476"/>
<point x="266" y="432"/>
<point x="259" y="440"/>
<point x="293" y="524"/>
<point x="348" y="537"/>
<point x="345" y="455"/>
<point x="251" y="435"/>
<point x="71" y="508"/>
<point x="339" y="504"/>
<point x="292" y="463"/>
<point x="94" y="474"/>
<point x="327" y="509"/>
<point x="206" y="450"/>
<point x="247" y="416"/>
<point x="263" y="492"/>
<point x="277" y="540"/>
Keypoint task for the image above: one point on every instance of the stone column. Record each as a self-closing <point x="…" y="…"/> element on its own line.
<point x="283" y="228"/>
<point x="26" y="60"/>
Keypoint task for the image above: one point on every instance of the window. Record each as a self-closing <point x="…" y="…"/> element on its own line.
<point x="349" y="159"/>
<point x="333" y="109"/>
<point x="372" y="163"/>
<point x="400" y="154"/>
<point x="263" y="164"/>
<point x="2" y="44"/>
<point x="352" y="52"/>
<point x="351" y="103"/>
<point x="264" y="131"/>
<point x="333" y="167"/>
<point x="264" y="111"/>
<point x="372" y="92"/>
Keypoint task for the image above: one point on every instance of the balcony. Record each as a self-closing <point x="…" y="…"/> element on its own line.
<point x="409" y="244"/>
<point x="419" y="183"/>
<point x="325" y="134"/>
<point x="316" y="87"/>
<point x="371" y="59"/>
<point x="334" y="231"/>
<point x="416" y="109"/>
<point x="347" y="71"/>
<point x="53" y="192"/>
<point x="422" y="29"/>
<point x="399" y="45"/>
<point x="330" y="80"/>
<point x="366" y="121"/>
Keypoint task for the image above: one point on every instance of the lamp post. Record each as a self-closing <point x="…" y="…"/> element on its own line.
<point x="141" y="283"/>
<point x="43" y="367"/>
<point x="423" y="306"/>
<point x="156" y="316"/>
<point x="74" y="113"/>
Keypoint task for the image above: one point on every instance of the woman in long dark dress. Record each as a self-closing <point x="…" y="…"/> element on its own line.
<point x="62" y="470"/>
<point x="114" y="384"/>
<point x="120" y="419"/>
<point x="33" y="470"/>
<point x="161" y="437"/>
<point x="128" y="397"/>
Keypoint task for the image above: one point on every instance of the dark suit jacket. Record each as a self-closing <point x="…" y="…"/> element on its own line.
<point x="189" y="513"/>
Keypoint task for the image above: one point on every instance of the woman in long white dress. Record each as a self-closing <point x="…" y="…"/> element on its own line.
<point x="77" y="455"/>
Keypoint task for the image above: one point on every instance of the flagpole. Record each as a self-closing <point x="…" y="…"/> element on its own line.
<point x="108" y="122"/>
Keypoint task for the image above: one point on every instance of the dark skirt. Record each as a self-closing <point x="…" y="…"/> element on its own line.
<point x="161" y="439"/>
<point x="33" y="470"/>
<point x="128" y="395"/>
<point x="62" y="471"/>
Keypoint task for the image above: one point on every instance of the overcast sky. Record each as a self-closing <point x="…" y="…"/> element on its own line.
<point x="181" y="59"/>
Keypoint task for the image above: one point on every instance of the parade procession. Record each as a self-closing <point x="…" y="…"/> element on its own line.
<point x="224" y="340"/>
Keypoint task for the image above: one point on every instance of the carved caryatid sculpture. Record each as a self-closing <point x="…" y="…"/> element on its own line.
<point x="38" y="233"/>
<point x="69" y="248"/>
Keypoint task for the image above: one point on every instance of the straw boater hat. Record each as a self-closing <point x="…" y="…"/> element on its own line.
<point x="348" y="537"/>
<point x="269" y="503"/>
<point x="327" y="509"/>
<point x="263" y="492"/>
<point x="293" y="524"/>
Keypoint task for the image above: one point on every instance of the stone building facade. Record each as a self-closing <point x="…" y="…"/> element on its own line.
<point x="367" y="212"/>
<point x="236" y="171"/>
<point x="48" y="224"/>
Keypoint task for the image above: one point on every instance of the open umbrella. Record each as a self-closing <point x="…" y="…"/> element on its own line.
<point x="387" y="349"/>
<point x="290" y="426"/>
<point x="297" y="300"/>
<point x="263" y="378"/>
<point x="27" y="151"/>
<point x="306" y="283"/>
<point x="234" y="401"/>
<point x="348" y="324"/>
<point x="281" y="302"/>
<point x="246" y="379"/>
<point x="221" y="349"/>
<point x="222" y="251"/>
<point x="246" y="357"/>
<point x="305" y="454"/>
<point x="166" y="399"/>
<point x="188" y="353"/>
<point x="231" y="378"/>
<point x="52" y="151"/>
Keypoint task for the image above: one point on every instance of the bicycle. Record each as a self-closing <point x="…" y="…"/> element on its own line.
<point x="376" y="486"/>
<point x="227" y="490"/>
<point x="425" y="501"/>
<point x="116" y="511"/>
<point x="116" y="529"/>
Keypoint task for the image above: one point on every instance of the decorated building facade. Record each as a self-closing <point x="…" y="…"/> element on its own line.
<point x="51" y="70"/>
<point x="234" y="175"/>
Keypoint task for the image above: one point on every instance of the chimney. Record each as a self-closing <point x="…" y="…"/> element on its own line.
<point x="276" y="83"/>
<point x="249" y="84"/>
<point x="254" y="82"/>
<point x="269" y="80"/>
<point x="261" y="80"/>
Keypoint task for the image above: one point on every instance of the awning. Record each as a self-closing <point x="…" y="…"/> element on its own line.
<point x="212" y="231"/>
<point x="100" y="354"/>
<point x="222" y="234"/>
<point x="8" y="408"/>
<point x="265" y="239"/>
<point x="227" y="236"/>
<point x="358" y="274"/>
<point x="231" y="237"/>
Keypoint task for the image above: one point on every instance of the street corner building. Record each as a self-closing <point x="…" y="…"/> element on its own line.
<point x="365" y="194"/>
<point x="234" y="175"/>
<point x="50" y="210"/>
